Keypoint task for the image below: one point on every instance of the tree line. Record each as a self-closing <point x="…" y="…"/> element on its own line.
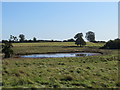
<point x="21" y="38"/>
<point x="90" y="36"/>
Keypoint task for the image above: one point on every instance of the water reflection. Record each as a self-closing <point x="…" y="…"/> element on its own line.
<point x="59" y="55"/>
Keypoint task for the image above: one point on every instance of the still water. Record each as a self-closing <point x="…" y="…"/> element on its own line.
<point x="59" y="55"/>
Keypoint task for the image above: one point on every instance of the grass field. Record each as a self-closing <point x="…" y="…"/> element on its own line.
<point x="30" y="48"/>
<point x="74" y="72"/>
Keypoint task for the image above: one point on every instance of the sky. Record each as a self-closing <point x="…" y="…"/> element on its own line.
<point x="60" y="20"/>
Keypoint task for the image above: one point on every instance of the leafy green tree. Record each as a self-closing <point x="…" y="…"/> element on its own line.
<point x="90" y="36"/>
<point x="79" y="40"/>
<point x="78" y="35"/>
<point x="34" y="39"/>
<point x="6" y="49"/>
<point x="22" y="37"/>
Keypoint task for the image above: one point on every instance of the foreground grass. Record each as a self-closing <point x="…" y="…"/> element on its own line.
<point x="79" y="72"/>
<point x="74" y="72"/>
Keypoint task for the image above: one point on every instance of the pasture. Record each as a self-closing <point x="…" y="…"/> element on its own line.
<point x="69" y="72"/>
<point x="46" y="47"/>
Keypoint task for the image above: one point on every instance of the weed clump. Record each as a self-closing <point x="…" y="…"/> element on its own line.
<point x="61" y="63"/>
<point x="67" y="78"/>
<point x="88" y="68"/>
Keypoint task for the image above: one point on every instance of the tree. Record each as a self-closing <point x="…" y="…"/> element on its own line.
<point x="78" y="35"/>
<point x="79" y="40"/>
<point x="6" y="49"/>
<point x="34" y="39"/>
<point x="90" y="36"/>
<point x="22" y="37"/>
<point x="13" y="38"/>
<point x="71" y="40"/>
<point x="112" y="44"/>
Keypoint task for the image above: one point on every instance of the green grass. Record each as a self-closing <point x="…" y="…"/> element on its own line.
<point x="30" y="48"/>
<point x="74" y="72"/>
<point x="80" y="72"/>
<point x="45" y="44"/>
<point x="56" y="44"/>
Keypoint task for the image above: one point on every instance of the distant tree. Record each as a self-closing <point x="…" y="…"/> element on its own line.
<point x="71" y="40"/>
<point x="13" y="38"/>
<point x="64" y="40"/>
<point x="6" y="49"/>
<point x="30" y="40"/>
<point x="22" y="37"/>
<point x="3" y="41"/>
<point x="90" y="36"/>
<point x="34" y="39"/>
<point x="99" y="42"/>
<point x="79" y="40"/>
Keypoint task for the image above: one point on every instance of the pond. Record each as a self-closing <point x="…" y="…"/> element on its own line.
<point x="55" y="55"/>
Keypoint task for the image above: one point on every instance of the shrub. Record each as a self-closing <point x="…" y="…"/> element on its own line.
<point x="112" y="44"/>
<point x="6" y="49"/>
